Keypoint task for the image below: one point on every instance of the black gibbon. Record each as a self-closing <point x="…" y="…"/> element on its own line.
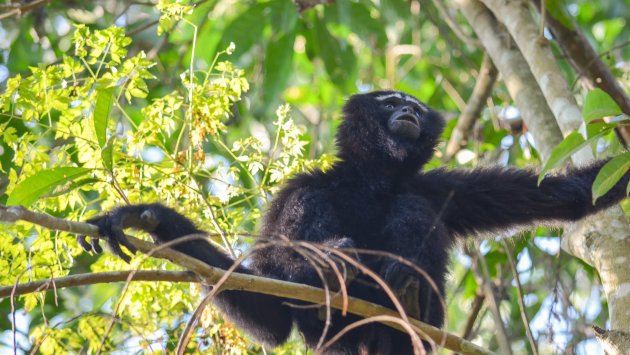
<point x="375" y="197"/>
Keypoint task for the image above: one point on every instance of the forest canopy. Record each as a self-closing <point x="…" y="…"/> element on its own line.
<point x="209" y="106"/>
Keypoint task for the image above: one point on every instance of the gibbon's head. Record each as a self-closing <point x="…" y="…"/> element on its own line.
<point x="388" y="129"/>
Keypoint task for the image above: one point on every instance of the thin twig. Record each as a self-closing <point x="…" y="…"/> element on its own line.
<point x="97" y="278"/>
<point x="473" y="314"/>
<point x="521" y="302"/>
<point x="454" y="26"/>
<point x="19" y="9"/>
<point x="493" y="303"/>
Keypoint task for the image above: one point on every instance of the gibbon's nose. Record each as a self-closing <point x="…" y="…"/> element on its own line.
<point x="406" y="109"/>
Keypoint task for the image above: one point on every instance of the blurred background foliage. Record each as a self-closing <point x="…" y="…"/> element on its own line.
<point x="100" y="108"/>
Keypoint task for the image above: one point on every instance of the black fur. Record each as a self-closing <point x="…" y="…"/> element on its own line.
<point x="375" y="198"/>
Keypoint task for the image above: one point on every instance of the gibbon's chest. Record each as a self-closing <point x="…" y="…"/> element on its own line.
<point x="361" y="213"/>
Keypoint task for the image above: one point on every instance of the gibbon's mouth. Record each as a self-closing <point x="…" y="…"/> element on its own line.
<point x="405" y="125"/>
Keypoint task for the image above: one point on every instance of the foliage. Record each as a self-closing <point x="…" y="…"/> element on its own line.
<point x="597" y="105"/>
<point x="106" y="154"/>
<point x="180" y="109"/>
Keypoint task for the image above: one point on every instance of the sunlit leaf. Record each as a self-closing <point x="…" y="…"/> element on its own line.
<point x="598" y="104"/>
<point x="102" y="109"/>
<point x="610" y="174"/>
<point x="42" y="183"/>
<point x="563" y="151"/>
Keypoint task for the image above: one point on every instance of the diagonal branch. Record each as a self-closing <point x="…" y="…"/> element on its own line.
<point x="483" y="88"/>
<point x="586" y="61"/>
<point x="516" y="75"/>
<point x="243" y="282"/>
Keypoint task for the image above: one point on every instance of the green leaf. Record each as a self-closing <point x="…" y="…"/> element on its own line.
<point x="610" y="174"/>
<point x="245" y="30"/>
<point x="357" y="18"/>
<point x="338" y="56"/>
<point x="599" y="129"/>
<point x="42" y="183"/>
<point x="571" y="145"/>
<point x="278" y="63"/>
<point x="557" y="10"/>
<point x="107" y="153"/>
<point x="563" y="151"/>
<point x="72" y="186"/>
<point x="102" y="109"/>
<point x="284" y="16"/>
<point x="598" y="104"/>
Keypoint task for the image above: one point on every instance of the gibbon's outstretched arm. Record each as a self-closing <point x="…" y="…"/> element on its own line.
<point x="491" y="199"/>
<point x="372" y="198"/>
<point x="262" y="316"/>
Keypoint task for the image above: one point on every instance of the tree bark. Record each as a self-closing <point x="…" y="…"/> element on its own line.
<point x="604" y="240"/>
<point x="587" y="63"/>
<point x="483" y="88"/>
<point x="516" y="74"/>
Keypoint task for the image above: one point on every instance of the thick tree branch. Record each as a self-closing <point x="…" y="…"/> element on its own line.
<point x="515" y="72"/>
<point x="587" y="62"/>
<point x="483" y="87"/>
<point x="515" y="15"/>
<point x="236" y="281"/>
<point x="97" y="278"/>
<point x="607" y="251"/>
<point x="614" y="342"/>
<point x="603" y="240"/>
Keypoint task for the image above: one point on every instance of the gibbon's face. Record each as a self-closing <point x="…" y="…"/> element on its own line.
<point x="403" y="113"/>
<point x="388" y="126"/>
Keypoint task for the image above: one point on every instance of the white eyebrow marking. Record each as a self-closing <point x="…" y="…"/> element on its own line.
<point x="420" y="104"/>
<point x="398" y="95"/>
<point x="388" y="96"/>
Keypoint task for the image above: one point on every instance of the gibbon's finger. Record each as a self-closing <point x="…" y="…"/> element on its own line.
<point x="115" y="247"/>
<point x="122" y="239"/>
<point x="96" y="245"/>
<point x="82" y="240"/>
<point x="114" y="242"/>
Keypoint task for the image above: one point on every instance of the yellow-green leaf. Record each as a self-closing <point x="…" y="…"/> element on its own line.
<point x="598" y="104"/>
<point x="571" y="144"/>
<point x="102" y="109"/>
<point x="610" y="174"/>
<point x="42" y="183"/>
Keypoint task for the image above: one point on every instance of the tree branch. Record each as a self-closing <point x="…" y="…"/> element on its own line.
<point x="483" y="88"/>
<point x="601" y="240"/>
<point x="587" y="62"/>
<point x="518" y="20"/>
<point x="97" y="278"/>
<point x="242" y="282"/>
<point x="454" y="26"/>
<point x="19" y="9"/>
<point x="515" y="72"/>
<point x="493" y="303"/>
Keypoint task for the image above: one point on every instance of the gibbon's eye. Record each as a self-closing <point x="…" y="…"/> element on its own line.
<point x="390" y="105"/>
